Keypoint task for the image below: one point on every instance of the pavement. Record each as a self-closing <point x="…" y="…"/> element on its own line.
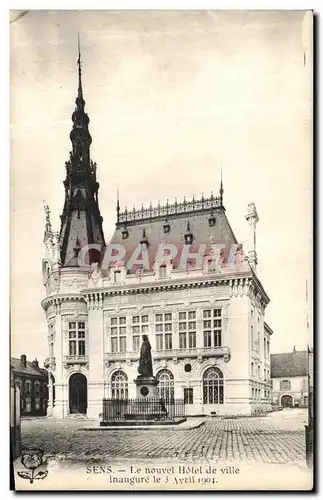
<point x="278" y="438"/>
<point x="186" y="425"/>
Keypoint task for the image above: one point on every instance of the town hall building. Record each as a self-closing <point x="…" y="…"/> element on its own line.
<point x="199" y="301"/>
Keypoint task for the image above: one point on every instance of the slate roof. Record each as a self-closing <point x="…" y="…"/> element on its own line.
<point x="289" y="364"/>
<point x="199" y="226"/>
<point x="30" y="369"/>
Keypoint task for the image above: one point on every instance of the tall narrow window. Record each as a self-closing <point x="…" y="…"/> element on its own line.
<point x="163" y="330"/>
<point x="212" y="327"/>
<point x="187" y="330"/>
<point x="37" y="395"/>
<point x="213" y="386"/>
<point x="139" y="327"/>
<point x="166" y="385"/>
<point x="188" y="396"/>
<point x="51" y="340"/>
<point x="37" y="388"/>
<point x="118" y="334"/>
<point x="76" y="338"/>
<point x="27" y="387"/>
<point x="119" y="385"/>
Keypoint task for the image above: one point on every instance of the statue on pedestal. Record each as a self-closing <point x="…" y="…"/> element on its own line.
<point x="145" y="368"/>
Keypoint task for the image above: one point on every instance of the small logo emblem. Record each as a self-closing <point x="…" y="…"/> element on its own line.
<point x="32" y="459"/>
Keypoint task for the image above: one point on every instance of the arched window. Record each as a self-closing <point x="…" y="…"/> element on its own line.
<point x="166" y="385"/>
<point x="119" y="385"/>
<point x="27" y="387"/>
<point x="213" y="386"/>
<point x="37" y="388"/>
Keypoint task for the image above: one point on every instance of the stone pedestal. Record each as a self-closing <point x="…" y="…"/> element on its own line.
<point x="146" y="387"/>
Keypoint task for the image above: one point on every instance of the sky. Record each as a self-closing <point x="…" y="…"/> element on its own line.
<point x="173" y="97"/>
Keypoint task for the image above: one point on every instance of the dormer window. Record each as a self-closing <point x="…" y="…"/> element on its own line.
<point x="77" y="248"/>
<point x="166" y="228"/>
<point x="162" y="272"/>
<point x="144" y="242"/>
<point x="125" y="233"/>
<point x="117" y="276"/>
<point x="188" y="235"/>
<point x="212" y="221"/>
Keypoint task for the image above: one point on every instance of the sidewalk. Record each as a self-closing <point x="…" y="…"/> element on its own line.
<point x="187" y="425"/>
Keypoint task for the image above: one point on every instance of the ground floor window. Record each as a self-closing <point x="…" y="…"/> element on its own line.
<point x="28" y="405"/>
<point x="213" y="386"/>
<point x="119" y="385"/>
<point x="166" y="385"/>
<point x="188" y="396"/>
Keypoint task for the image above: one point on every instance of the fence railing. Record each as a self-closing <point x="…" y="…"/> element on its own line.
<point x="142" y="409"/>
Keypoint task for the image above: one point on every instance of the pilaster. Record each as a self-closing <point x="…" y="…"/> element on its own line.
<point x="96" y="365"/>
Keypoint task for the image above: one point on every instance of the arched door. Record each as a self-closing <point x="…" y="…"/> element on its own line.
<point x="78" y="393"/>
<point x="286" y="400"/>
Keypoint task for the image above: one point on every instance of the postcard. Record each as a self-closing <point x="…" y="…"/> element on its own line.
<point x="161" y="250"/>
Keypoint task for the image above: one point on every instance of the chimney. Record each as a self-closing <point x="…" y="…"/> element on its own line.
<point x="23" y="360"/>
<point x="294" y="350"/>
<point x="35" y="363"/>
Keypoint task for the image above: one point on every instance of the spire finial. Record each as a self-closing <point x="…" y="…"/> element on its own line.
<point x="48" y="224"/>
<point x="118" y="205"/>
<point x="221" y="189"/>
<point x="47" y="215"/>
<point x="79" y="64"/>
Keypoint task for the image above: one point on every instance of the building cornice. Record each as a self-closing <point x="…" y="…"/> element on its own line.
<point x="167" y="284"/>
<point x="245" y="283"/>
<point x="56" y="300"/>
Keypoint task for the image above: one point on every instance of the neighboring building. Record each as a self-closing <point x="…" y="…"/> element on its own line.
<point x="33" y="382"/>
<point x="210" y="343"/>
<point x="289" y="376"/>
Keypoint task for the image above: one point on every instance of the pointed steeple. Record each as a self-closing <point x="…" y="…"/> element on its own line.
<point x="118" y="205"/>
<point x="221" y="190"/>
<point x="79" y="64"/>
<point x="80" y="135"/>
<point x="81" y="222"/>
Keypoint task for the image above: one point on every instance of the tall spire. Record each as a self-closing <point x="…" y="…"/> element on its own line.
<point x="80" y="136"/>
<point x="118" y="205"/>
<point x="81" y="222"/>
<point x="221" y="189"/>
<point x="79" y="64"/>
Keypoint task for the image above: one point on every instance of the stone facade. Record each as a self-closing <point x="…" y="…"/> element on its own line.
<point x="289" y="378"/>
<point x="290" y="391"/>
<point x="32" y="382"/>
<point x="240" y="360"/>
<point x="205" y="321"/>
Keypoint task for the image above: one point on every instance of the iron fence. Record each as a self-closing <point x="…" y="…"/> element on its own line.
<point x="142" y="409"/>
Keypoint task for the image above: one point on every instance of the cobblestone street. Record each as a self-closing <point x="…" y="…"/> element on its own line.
<point x="278" y="438"/>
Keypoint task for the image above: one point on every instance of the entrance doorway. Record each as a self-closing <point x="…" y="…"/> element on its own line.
<point x="286" y="401"/>
<point x="78" y="393"/>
